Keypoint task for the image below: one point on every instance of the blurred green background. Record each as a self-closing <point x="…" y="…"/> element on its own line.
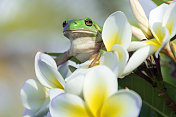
<point x="28" y="26"/>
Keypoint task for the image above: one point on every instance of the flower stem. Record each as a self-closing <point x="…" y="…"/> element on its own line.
<point x="145" y="77"/>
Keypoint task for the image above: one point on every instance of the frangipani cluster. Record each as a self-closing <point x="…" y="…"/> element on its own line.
<point x="117" y="35"/>
<point x="161" y="24"/>
<point x="95" y="87"/>
<point x="100" y="98"/>
<point x="93" y="92"/>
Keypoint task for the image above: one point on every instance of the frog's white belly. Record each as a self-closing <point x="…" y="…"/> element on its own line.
<point x="83" y="48"/>
<point x="83" y="57"/>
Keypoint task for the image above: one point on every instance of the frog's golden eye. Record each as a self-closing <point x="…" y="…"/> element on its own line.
<point x="64" y="23"/>
<point x="88" y="22"/>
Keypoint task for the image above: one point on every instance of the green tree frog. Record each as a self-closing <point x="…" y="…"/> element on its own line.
<point x="85" y="37"/>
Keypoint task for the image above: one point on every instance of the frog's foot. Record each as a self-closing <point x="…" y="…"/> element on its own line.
<point x="96" y="57"/>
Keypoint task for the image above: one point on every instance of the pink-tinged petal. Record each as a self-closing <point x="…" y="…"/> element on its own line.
<point x="32" y="94"/>
<point x="100" y="83"/>
<point x="46" y="71"/>
<point x="138" y="58"/>
<point x="169" y="19"/>
<point x="122" y="104"/>
<point x="116" y="30"/>
<point x="68" y="105"/>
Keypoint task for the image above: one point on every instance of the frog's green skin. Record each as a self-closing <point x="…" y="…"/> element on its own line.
<point x="85" y="39"/>
<point x="77" y="28"/>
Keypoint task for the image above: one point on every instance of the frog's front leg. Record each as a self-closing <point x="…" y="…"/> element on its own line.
<point x="64" y="57"/>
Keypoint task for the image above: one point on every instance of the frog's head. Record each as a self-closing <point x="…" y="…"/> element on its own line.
<point x="80" y="28"/>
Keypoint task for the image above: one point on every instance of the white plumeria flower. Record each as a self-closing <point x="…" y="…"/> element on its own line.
<point x="101" y="98"/>
<point x="116" y="36"/>
<point x="162" y="22"/>
<point x="48" y="75"/>
<point x="34" y="98"/>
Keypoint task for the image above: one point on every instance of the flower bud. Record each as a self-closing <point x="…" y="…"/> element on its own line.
<point x="141" y="18"/>
<point x="137" y="33"/>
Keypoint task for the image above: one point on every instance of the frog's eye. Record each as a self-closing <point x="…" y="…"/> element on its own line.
<point x="88" y="22"/>
<point x="64" y="23"/>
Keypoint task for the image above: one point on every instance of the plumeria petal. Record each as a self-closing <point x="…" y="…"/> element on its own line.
<point x="47" y="73"/>
<point x="29" y="113"/>
<point x="122" y="104"/>
<point x="32" y="94"/>
<point x="116" y="30"/>
<point x="110" y="59"/>
<point x="74" y="83"/>
<point x="68" y="105"/>
<point x="44" y="110"/>
<point x="165" y="40"/>
<point x="100" y="83"/>
<point x="85" y="64"/>
<point x="64" y="69"/>
<point x="157" y="32"/>
<point x="122" y="57"/>
<point x="169" y="19"/>
<point x="138" y="58"/>
<point x="48" y="114"/>
<point x="156" y="15"/>
<point x="54" y="92"/>
<point x="37" y="113"/>
<point x="135" y="45"/>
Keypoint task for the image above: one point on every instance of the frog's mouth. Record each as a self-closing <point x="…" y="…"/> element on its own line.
<point x="79" y="33"/>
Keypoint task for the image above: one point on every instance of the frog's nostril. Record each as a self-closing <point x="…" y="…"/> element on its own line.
<point x="75" y="23"/>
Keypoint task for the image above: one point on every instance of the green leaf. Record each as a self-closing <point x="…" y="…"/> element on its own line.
<point x="146" y="111"/>
<point x="159" y="2"/>
<point x="149" y="94"/>
<point x="167" y="71"/>
<point x="74" y="59"/>
<point x="54" y="54"/>
<point x="72" y="69"/>
<point x="168" y="67"/>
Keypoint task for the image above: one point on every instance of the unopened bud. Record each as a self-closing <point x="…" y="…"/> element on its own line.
<point x="141" y="18"/>
<point x="137" y="33"/>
